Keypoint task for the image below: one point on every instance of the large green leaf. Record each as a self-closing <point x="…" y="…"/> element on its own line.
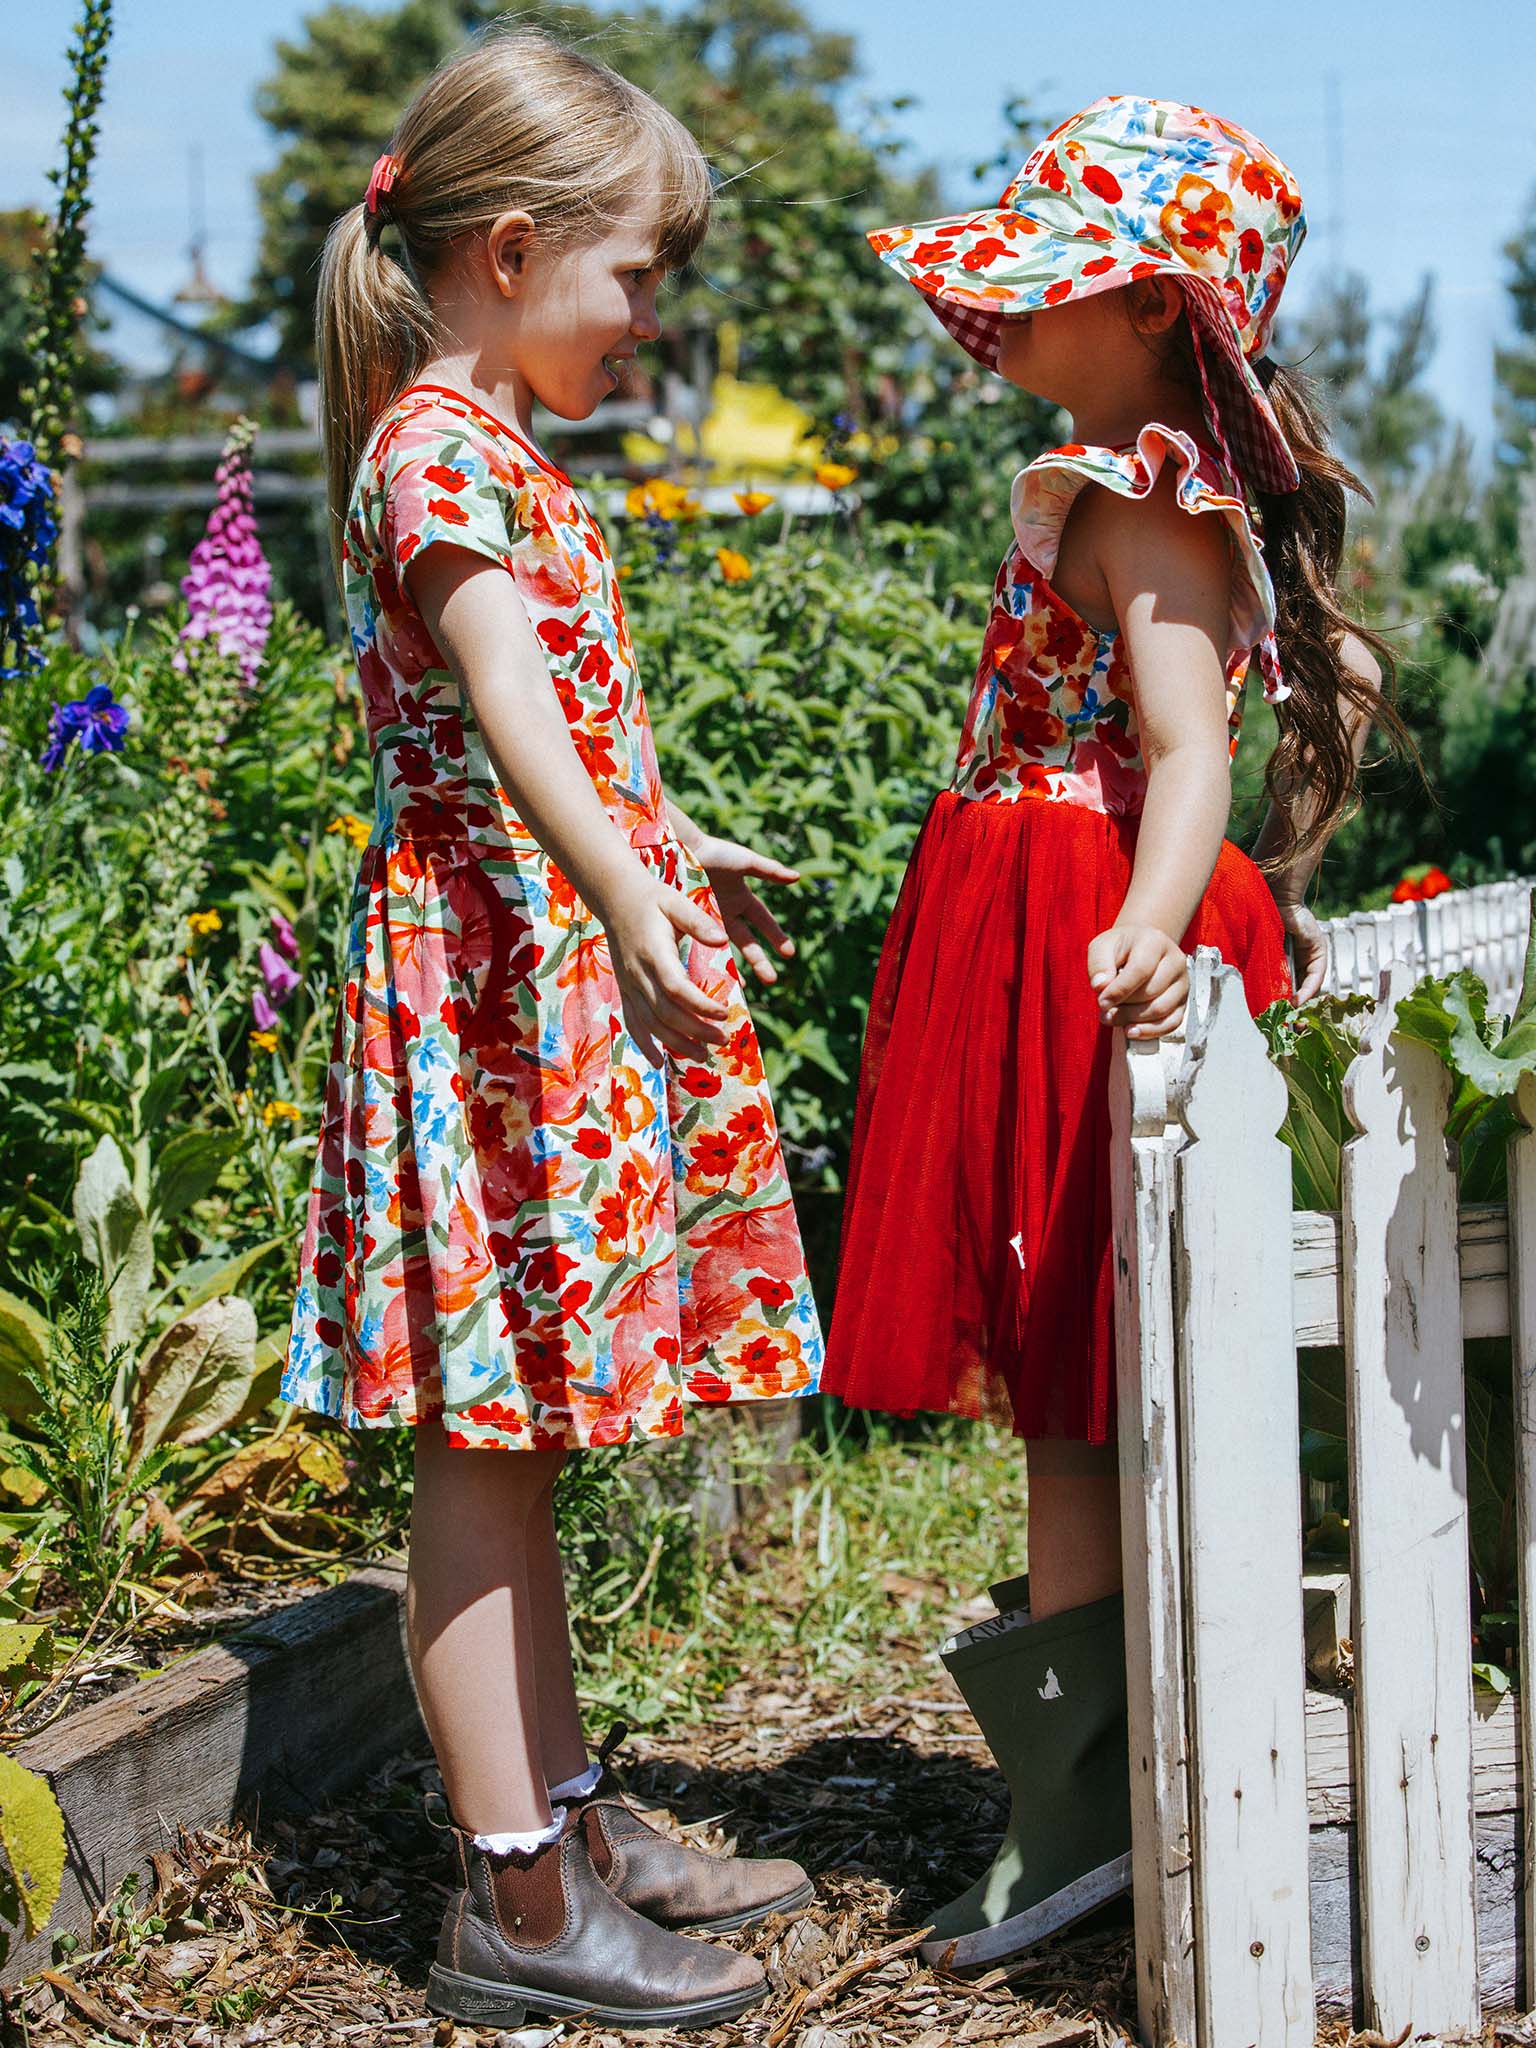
<point x="23" y="1350"/>
<point x="198" y="1376"/>
<point x="188" y="1166"/>
<point x="115" y="1236"/>
<point x="31" y="1841"/>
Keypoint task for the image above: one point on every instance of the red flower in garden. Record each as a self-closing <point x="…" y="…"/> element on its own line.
<point x="1418" y="885"/>
<point x="1102" y="182"/>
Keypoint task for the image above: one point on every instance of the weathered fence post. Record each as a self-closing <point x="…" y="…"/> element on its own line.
<point x="1408" y="1531"/>
<point x="1522" y="1332"/>
<point x="1146" y="1138"/>
<point x="1235" y="1342"/>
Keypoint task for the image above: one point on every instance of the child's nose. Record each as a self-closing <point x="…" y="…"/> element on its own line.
<point x="646" y="324"/>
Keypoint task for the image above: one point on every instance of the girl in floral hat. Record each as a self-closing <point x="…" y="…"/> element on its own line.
<point x="1195" y="519"/>
<point x="549" y="1211"/>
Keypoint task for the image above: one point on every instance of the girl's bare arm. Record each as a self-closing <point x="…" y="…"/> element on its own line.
<point x="472" y="610"/>
<point x="1168" y="576"/>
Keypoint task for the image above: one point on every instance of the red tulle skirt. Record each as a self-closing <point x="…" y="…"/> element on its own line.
<point x="975" y="1273"/>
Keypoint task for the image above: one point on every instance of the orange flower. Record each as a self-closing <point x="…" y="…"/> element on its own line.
<point x="733" y="567"/>
<point x="834" y="476"/>
<point x="753" y="502"/>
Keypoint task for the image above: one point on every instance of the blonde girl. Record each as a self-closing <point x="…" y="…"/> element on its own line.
<point x="549" y="1210"/>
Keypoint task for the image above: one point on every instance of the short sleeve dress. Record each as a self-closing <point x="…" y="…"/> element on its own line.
<point x="975" y="1272"/>
<point x="516" y="1221"/>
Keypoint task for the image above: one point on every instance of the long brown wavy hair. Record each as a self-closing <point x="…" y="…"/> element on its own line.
<point x="1303" y="534"/>
<point x="517" y="121"/>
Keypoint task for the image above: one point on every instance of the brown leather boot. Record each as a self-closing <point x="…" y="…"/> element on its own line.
<point x="677" y="1886"/>
<point x="544" y="1932"/>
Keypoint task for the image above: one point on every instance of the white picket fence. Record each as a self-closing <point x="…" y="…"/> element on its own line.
<point x="1218" y="1282"/>
<point x="1483" y="928"/>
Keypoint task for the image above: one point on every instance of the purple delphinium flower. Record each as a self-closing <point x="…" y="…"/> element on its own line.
<point x="228" y="578"/>
<point x="279" y="977"/>
<point x="96" y="720"/>
<point x="282" y="932"/>
<point x="27" y="533"/>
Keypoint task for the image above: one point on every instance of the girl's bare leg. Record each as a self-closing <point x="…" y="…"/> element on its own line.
<point x="477" y="1640"/>
<point x="1074" y="1524"/>
<point x="562" y="1745"/>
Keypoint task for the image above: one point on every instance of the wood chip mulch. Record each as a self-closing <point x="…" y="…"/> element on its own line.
<point x="302" y="1934"/>
<point x="317" y="1933"/>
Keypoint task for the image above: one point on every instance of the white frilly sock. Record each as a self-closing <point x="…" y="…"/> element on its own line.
<point x="525" y="1844"/>
<point x="581" y="1786"/>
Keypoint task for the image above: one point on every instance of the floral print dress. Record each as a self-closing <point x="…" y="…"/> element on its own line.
<point x="517" y="1221"/>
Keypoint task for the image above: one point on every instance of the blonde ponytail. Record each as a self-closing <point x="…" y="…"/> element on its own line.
<point x="517" y="122"/>
<point x="374" y="331"/>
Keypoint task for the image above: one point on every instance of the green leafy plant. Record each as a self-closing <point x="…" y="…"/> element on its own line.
<point x="53" y="340"/>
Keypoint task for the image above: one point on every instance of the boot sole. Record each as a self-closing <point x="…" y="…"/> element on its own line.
<point x="1050" y="1916"/>
<point x="802" y="1895"/>
<point x="484" y="2002"/>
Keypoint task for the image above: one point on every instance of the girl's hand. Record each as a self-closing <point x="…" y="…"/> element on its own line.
<point x="728" y="865"/>
<point x="662" y="1007"/>
<point x="1141" y="978"/>
<point x="1309" y="947"/>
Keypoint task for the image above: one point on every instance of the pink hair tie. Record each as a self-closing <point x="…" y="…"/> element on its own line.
<point x="381" y="179"/>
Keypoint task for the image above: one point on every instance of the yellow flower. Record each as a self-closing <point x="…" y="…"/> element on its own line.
<point x="753" y="502"/>
<point x="354" y="828"/>
<point x="733" y="567"/>
<point x="271" y="1111"/>
<point x="625" y="569"/>
<point x="834" y="476"/>
<point x="662" y="498"/>
<point x="204" y="922"/>
<point x="264" y="1041"/>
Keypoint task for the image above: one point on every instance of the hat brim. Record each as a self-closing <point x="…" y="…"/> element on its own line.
<point x="1034" y="267"/>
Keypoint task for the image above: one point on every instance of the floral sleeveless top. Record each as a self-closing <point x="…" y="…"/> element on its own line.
<point x="1052" y="712"/>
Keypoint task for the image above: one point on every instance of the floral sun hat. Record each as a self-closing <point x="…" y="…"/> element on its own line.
<point x="1132" y="188"/>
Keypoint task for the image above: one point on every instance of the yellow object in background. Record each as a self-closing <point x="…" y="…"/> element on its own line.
<point x="752" y="430"/>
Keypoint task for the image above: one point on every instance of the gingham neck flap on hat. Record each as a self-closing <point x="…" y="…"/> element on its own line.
<point x="1131" y="188"/>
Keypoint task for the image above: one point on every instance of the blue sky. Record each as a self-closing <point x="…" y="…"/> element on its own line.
<point x="1413" y="142"/>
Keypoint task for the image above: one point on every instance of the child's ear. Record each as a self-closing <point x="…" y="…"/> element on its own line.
<point x="1156" y="304"/>
<point x="506" y="247"/>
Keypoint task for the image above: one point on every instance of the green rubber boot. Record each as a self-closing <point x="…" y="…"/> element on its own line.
<point x="1049" y="1696"/>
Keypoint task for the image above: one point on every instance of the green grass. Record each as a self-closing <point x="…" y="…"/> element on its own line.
<point x="848" y="1575"/>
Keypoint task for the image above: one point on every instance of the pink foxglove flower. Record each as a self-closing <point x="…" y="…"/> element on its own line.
<point x="283" y="935"/>
<point x="228" y="578"/>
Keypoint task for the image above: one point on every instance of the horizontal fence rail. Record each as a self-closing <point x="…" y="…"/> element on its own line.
<point x="1218" y="1283"/>
<point x="1485" y="929"/>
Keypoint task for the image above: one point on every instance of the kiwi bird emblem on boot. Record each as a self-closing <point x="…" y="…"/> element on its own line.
<point x="1067" y="1845"/>
<point x="673" y="1884"/>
